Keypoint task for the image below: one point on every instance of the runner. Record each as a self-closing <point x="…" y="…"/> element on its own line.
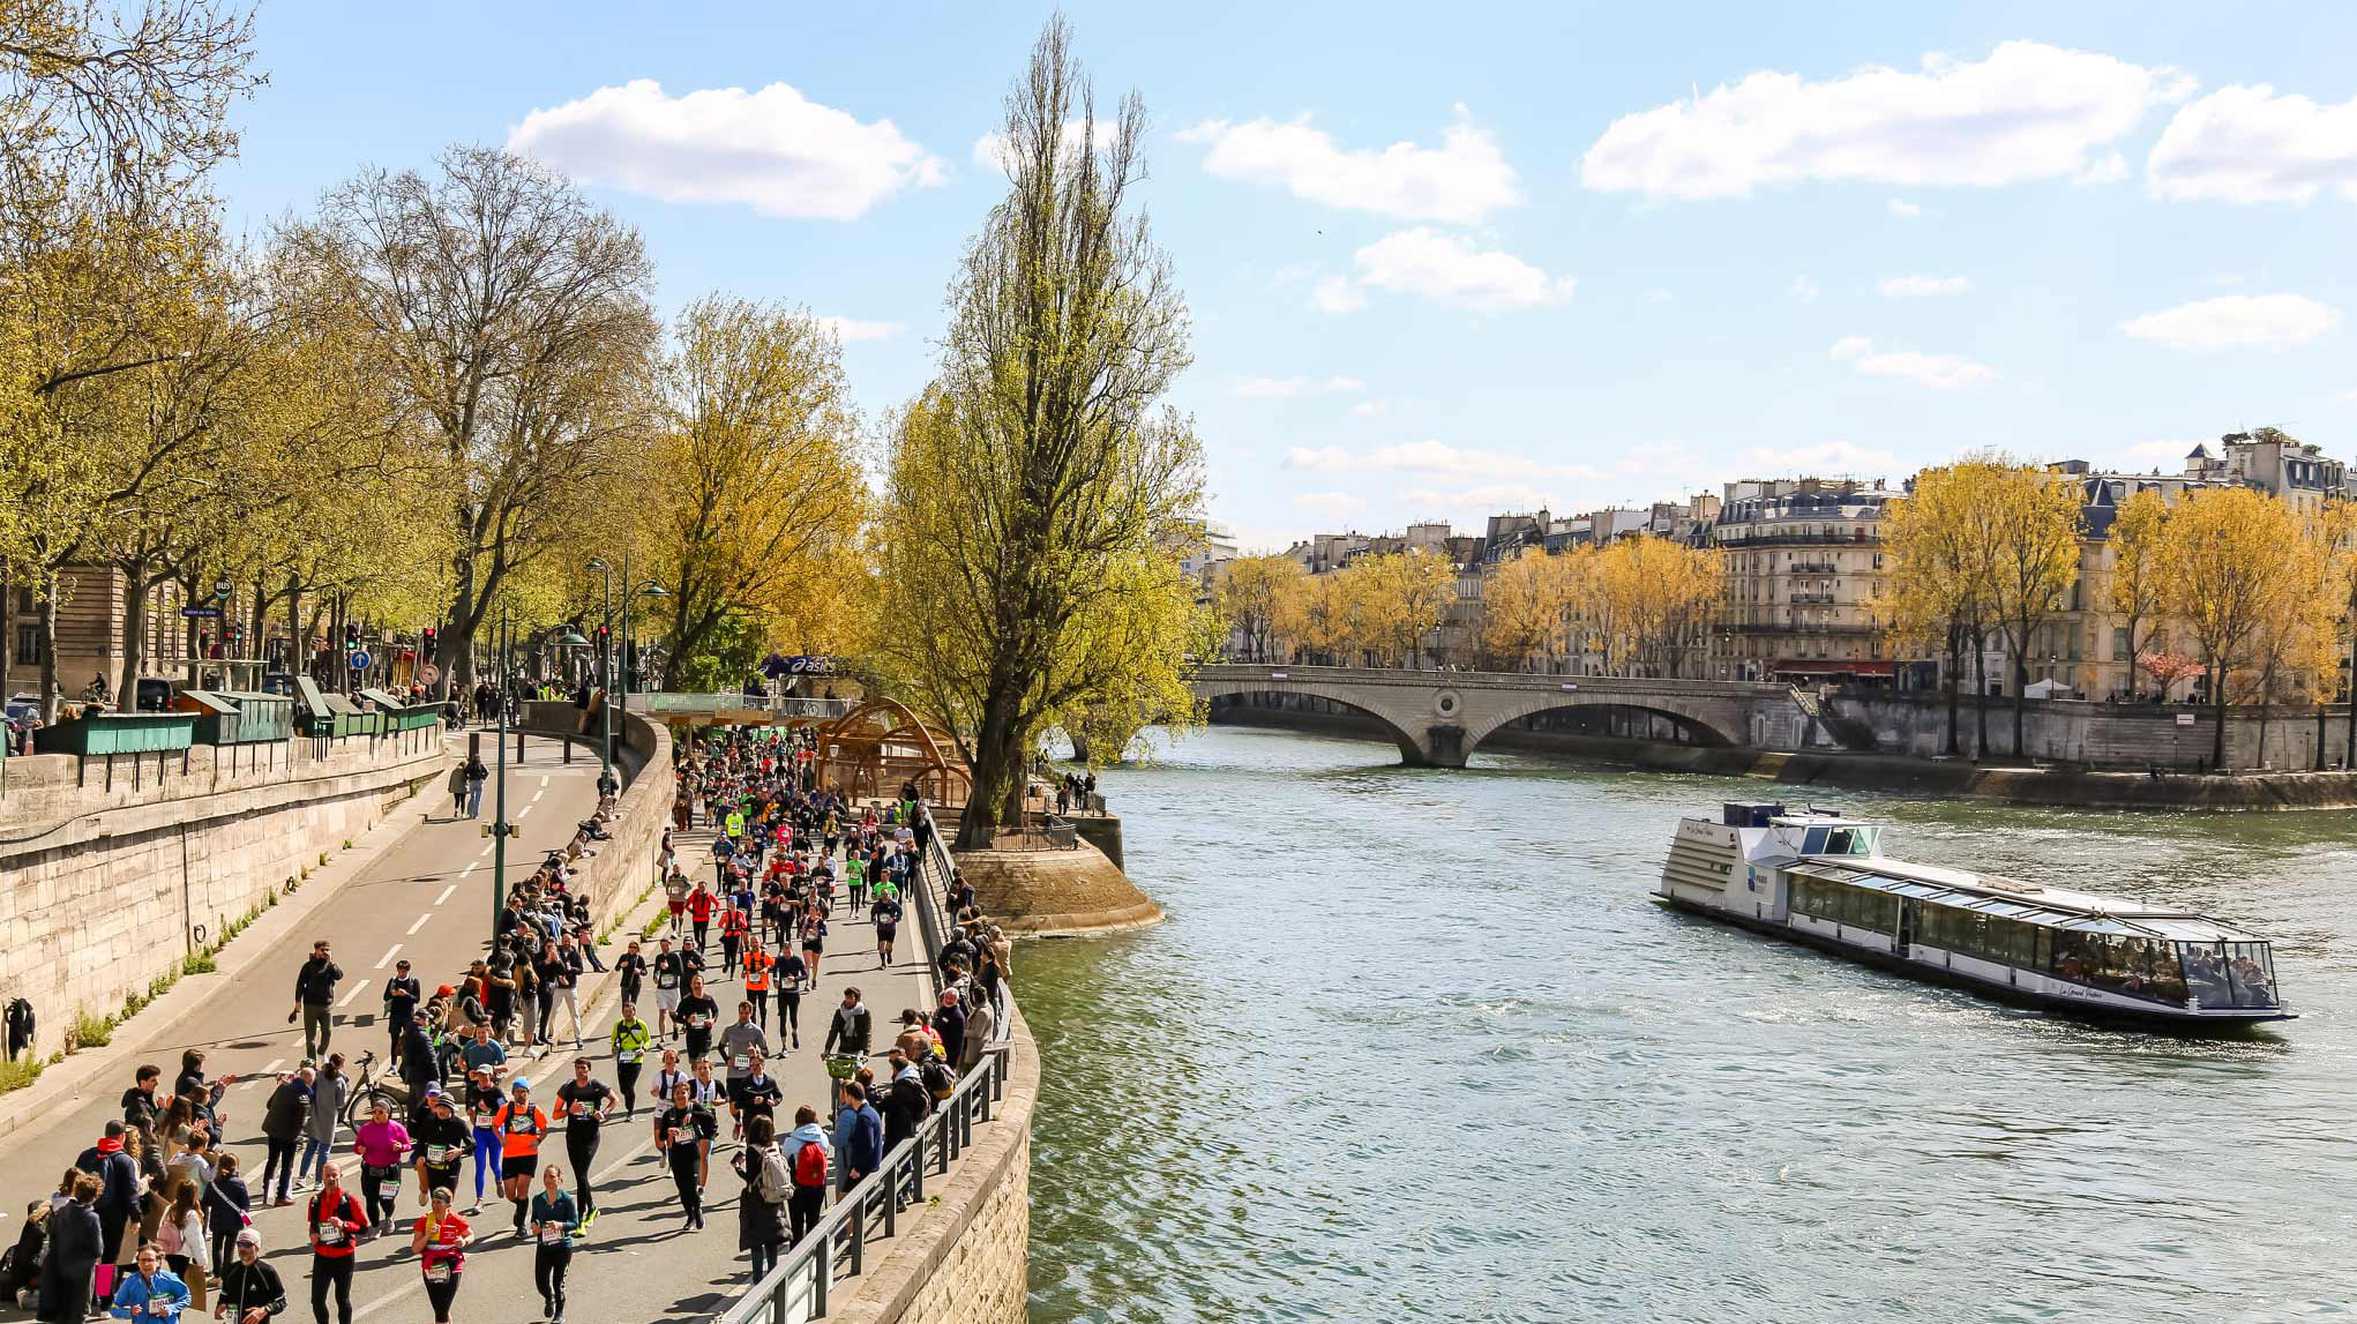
<point x="631" y="966"/>
<point x="758" y="964"/>
<point x="814" y="939"/>
<point x="336" y="1221"/>
<point x="442" y="1142"/>
<point x="521" y="1128"/>
<point x="699" y="911"/>
<point x="631" y="1041"/>
<point x="697" y="1015"/>
<point x="403" y="993"/>
<point x="483" y="1103"/>
<point x="584" y="1103"/>
<point x="684" y="1133"/>
<point x="670" y="977"/>
<point x="855" y="883"/>
<point x="756" y="1097"/>
<point x="382" y="1144"/>
<point x="250" y="1290"/>
<point x="439" y="1241"/>
<point x="886" y="914"/>
<point x="733" y="928"/>
<point x="555" y="1222"/>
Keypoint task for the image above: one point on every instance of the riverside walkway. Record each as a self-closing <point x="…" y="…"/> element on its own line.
<point x="427" y="898"/>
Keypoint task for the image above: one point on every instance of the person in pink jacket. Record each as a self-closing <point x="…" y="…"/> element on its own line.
<point x="383" y="1145"/>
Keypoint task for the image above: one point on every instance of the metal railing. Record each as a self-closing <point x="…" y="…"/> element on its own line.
<point x="803" y="1283"/>
<point x="774" y="704"/>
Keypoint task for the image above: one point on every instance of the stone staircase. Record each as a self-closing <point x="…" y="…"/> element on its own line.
<point x="1848" y="732"/>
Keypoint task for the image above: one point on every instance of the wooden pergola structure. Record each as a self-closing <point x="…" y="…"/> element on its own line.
<point x="874" y="748"/>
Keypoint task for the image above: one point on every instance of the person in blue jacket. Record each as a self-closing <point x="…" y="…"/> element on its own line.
<point x="859" y="1136"/>
<point x="150" y="1292"/>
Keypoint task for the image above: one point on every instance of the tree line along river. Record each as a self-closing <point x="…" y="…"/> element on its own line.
<point x="1413" y="1045"/>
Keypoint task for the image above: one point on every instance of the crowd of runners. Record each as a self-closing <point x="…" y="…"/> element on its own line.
<point x="156" y="1217"/>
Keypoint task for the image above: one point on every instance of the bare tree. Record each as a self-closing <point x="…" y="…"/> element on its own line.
<point x="514" y="318"/>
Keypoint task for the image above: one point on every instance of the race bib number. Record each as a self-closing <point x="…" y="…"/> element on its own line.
<point x="698" y="1021"/>
<point x="440" y="1155"/>
<point x="438" y="1273"/>
<point x="552" y="1233"/>
<point x="628" y="1056"/>
<point x="741" y="1062"/>
<point x="331" y="1234"/>
<point x="159" y="1307"/>
<point x="675" y="1133"/>
<point x="580" y="1109"/>
<point x="519" y="1126"/>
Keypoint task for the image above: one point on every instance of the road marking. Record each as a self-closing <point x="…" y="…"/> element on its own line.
<point x="346" y="1000"/>
<point x="523" y="811"/>
<point x="544" y="782"/>
<point x="485" y="851"/>
<point x="421" y="923"/>
<point x="445" y="894"/>
<point x="471" y="867"/>
<point x="387" y="958"/>
<point x="537" y="794"/>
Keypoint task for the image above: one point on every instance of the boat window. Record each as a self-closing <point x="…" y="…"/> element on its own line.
<point x="1813" y="842"/>
<point x="2229" y="974"/>
<point x="1849" y="841"/>
<point x="2136" y="966"/>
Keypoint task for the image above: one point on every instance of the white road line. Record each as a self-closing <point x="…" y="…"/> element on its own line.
<point x="523" y="811"/>
<point x="346" y="1000"/>
<point x="275" y="1064"/>
<point x="485" y="851"/>
<point x="544" y="781"/>
<point x="387" y="958"/>
<point x="421" y="923"/>
<point x="537" y="794"/>
<point x="445" y="894"/>
<point x="471" y="867"/>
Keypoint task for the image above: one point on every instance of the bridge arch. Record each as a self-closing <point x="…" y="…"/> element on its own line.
<point x="1699" y="730"/>
<point x="1402" y="733"/>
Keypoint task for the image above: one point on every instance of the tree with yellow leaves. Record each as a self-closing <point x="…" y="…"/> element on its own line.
<point x="761" y="499"/>
<point x="2137" y="552"/>
<point x="2233" y="557"/>
<point x="1523" y="606"/>
<point x="1314" y="613"/>
<point x="1940" y="550"/>
<point x="2033" y="555"/>
<point x="1251" y="589"/>
<point x="1396" y="599"/>
<point x="1652" y="600"/>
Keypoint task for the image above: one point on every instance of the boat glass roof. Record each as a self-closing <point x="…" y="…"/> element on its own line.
<point x="2054" y="908"/>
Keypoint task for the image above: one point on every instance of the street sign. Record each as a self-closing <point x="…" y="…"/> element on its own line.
<point x="2185" y="719"/>
<point x="428" y="674"/>
<point x="201" y="613"/>
<point x="360" y="659"/>
<point x="222" y="588"/>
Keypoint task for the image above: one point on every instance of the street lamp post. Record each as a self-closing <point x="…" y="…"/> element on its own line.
<point x="605" y="669"/>
<point x="500" y="828"/>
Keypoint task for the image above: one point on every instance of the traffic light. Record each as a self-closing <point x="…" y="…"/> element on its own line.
<point x="427" y="644"/>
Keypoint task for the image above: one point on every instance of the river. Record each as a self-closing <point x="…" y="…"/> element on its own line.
<point x="1414" y="1046"/>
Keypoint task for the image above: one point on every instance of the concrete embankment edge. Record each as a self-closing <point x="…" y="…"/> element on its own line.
<point x="2049" y="787"/>
<point x="968" y="1259"/>
<point x="1056" y="893"/>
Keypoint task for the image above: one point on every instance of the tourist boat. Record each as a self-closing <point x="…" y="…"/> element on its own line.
<point x="1820" y="877"/>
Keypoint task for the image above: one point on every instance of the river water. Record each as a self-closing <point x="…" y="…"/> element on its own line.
<point x="1414" y="1046"/>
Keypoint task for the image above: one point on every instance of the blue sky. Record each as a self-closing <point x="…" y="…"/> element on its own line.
<point x="1561" y="254"/>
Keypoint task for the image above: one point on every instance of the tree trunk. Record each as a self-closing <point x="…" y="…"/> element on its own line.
<point x="47" y="624"/>
<point x="2218" y="719"/>
<point x="1955" y="682"/>
<point x="1980" y="695"/>
<point x="2320" y="729"/>
<point x="2021" y="698"/>
<point x="997" y="764"/>
<point x="134" y="633"/>
<point x="2349" y="695"/>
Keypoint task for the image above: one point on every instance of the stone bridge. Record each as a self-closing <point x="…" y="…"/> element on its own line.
<point x="1441" y="717"/>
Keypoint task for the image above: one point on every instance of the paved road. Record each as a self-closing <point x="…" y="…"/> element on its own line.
<point x="428" y="898"/>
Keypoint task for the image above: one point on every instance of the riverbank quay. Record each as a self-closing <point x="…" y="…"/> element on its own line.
<point x="2000" y="781"/>
<point x="1052" y="888"/>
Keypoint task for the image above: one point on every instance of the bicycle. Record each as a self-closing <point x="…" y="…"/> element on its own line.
<point x="370" y="1091"/>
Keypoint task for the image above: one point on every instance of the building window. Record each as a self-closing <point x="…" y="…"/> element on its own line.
<point x="2119" y="644"/>
<point x="28" y="644"/>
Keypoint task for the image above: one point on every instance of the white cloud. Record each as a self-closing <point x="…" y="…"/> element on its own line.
<point x="1287" y="388"/>
<point x="1443" y="268"/>
<point x="1461" y="181"/>
<point x="1335" y="294"/>
<point x="1830" y="457"/>
<point x="1370" y="409"/>
<point x="1470" y="507"/>
<point x="774" y="150"/>
<point x="1329" y="505"/>
<point x="848" y="329"/>
<point x="1940" y="372"/>
<point x="1803" y="289"/>
<point x="2246" y="144"/>
<point x="2273" y="321"/>
<point x="1923" y="287"/>
<point x="1903" y="209"/>
<point x="990" y="150"/>
<point x="2029" y="111"/>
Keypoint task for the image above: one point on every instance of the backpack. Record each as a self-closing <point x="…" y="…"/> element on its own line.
<point x="939" y="1079"/>
<point x="773" y="1182"/>
<point x="810" y="1164"/>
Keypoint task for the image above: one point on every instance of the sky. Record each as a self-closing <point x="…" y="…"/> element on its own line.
<point x="1444" y="262"/>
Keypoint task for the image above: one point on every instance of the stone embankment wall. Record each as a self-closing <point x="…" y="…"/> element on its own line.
<point x="625" y="866"/>
<point x="968" y="1260"/>
<point x="2103" y="735"/>
<point x="102" y="891"/>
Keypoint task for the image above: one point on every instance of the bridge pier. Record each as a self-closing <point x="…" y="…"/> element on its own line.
<point x="1441" y="746"/>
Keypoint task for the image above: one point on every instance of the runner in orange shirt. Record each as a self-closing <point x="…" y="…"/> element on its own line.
<point x="521" y="1128"/>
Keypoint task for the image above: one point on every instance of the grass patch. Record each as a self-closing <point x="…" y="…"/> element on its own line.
<point x="20" y="1073"/>
<point x="200" y="963"/>
<point x="89" y="1031"/>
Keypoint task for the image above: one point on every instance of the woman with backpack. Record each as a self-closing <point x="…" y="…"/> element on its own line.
<point x="808" y="1152"/>
<point x="761" y="1225"/>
